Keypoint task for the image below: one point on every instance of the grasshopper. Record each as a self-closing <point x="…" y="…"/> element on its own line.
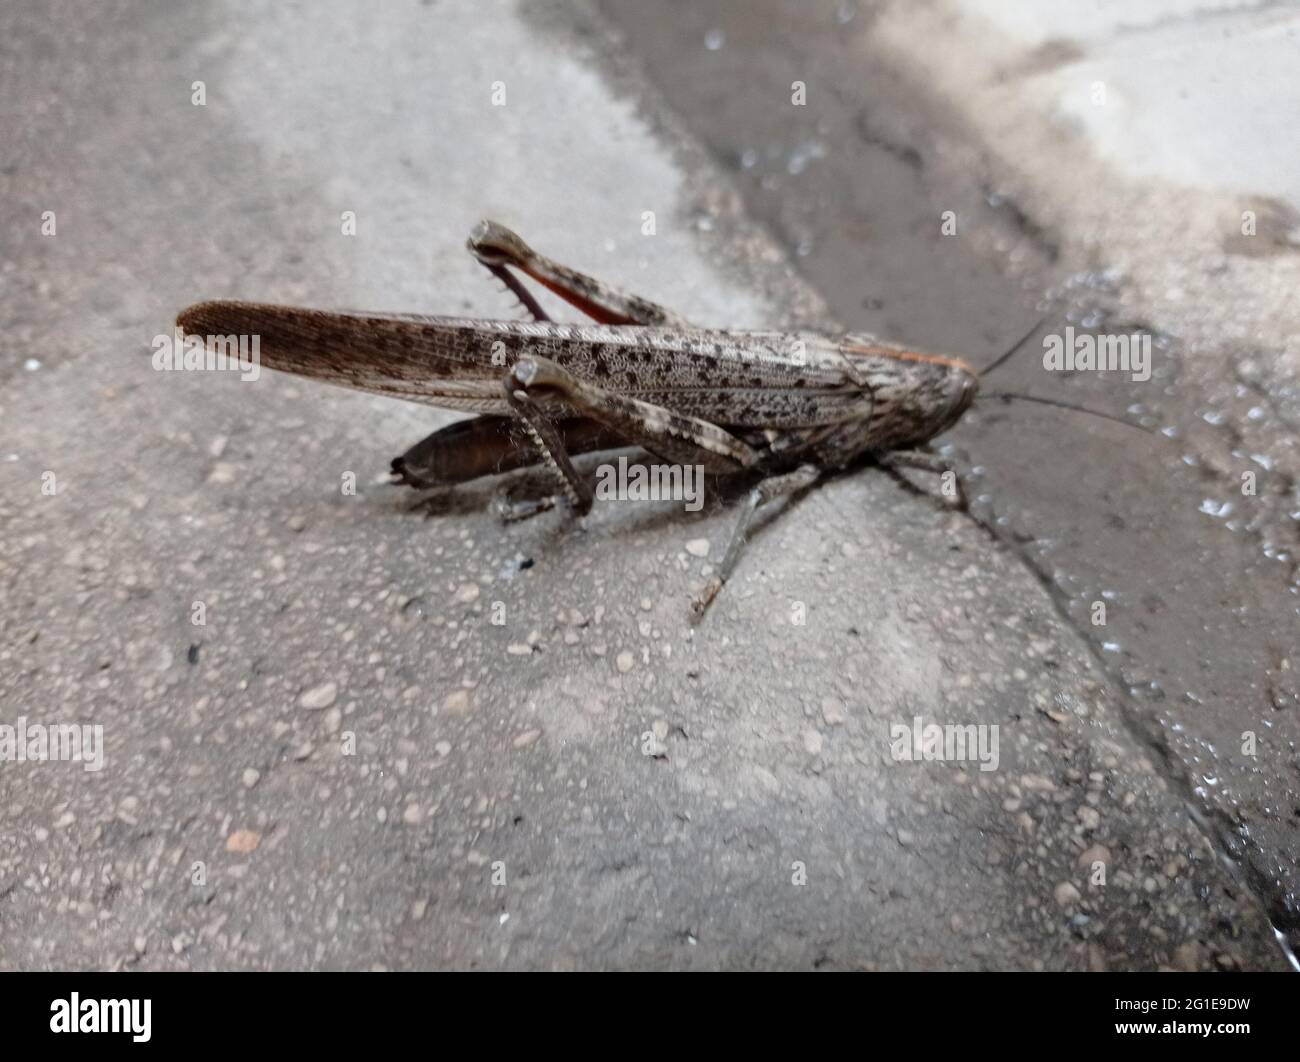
<point x="790" y="407"/>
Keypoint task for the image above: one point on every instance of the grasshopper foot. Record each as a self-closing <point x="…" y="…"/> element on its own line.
<point x="512" y="511"/>
<point x="705" y="597"/>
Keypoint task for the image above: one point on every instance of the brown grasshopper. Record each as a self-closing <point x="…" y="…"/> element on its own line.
<point x="792" y="407"/>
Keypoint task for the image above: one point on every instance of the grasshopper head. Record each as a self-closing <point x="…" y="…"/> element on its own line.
<point x="952" y="384"/>
<point x="963" y="385"/>
<point x="917" y="395"/>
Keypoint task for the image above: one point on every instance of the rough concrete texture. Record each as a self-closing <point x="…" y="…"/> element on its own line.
<point x="1150" y="148"/>
<point x="1195" y="573"/>
<point x="349" y="764"/>
<point x="1200" y="97"/>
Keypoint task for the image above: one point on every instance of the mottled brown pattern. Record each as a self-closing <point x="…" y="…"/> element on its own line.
<point x="732" y="377"/>
<point x="881" y="397"/>
<point x="730" y="399"/>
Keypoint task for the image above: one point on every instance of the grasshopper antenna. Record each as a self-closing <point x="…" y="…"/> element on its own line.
<point x="1059" y="404"/>
<point x="1018" y="344"/>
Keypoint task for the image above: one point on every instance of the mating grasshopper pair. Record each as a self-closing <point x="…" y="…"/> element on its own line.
<point x="791" y="407"/>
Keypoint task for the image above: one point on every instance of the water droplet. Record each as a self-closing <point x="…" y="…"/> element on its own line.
<point x="714" y="40"/>
<point x="803" y="154"/>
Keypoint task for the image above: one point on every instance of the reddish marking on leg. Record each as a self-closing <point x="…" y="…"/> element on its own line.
<point x="597" y="313"/>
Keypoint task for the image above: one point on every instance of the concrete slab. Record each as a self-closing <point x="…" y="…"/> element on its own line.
<point x="1170" y="203"/>
<point x="348" y="763"/>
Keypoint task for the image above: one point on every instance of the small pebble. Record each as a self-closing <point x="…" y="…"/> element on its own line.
<point x="833" y="711"/>
<point x="526" y="738"/>
<point x="319" y="697"/>
<point x="1066" y="894"/>
<point x="456" y="702"/>
<point x="242" y="842"/>
<point x="222" y="472"/>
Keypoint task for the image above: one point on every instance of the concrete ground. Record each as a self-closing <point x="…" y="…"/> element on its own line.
<point x="913" y="112"/>
<point x="1154" y="142"/>
<point x="348" y="764"/>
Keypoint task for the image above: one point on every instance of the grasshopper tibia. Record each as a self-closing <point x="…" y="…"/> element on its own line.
<point x="776" y="487"/>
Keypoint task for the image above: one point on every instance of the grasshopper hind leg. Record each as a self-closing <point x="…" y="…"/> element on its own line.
<point x="499" y="249"/>
<point x="538" y="390"/>
<point x="550" y="444"/>
<point x="517" y="289"/>
<point x="515" y="510"/>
